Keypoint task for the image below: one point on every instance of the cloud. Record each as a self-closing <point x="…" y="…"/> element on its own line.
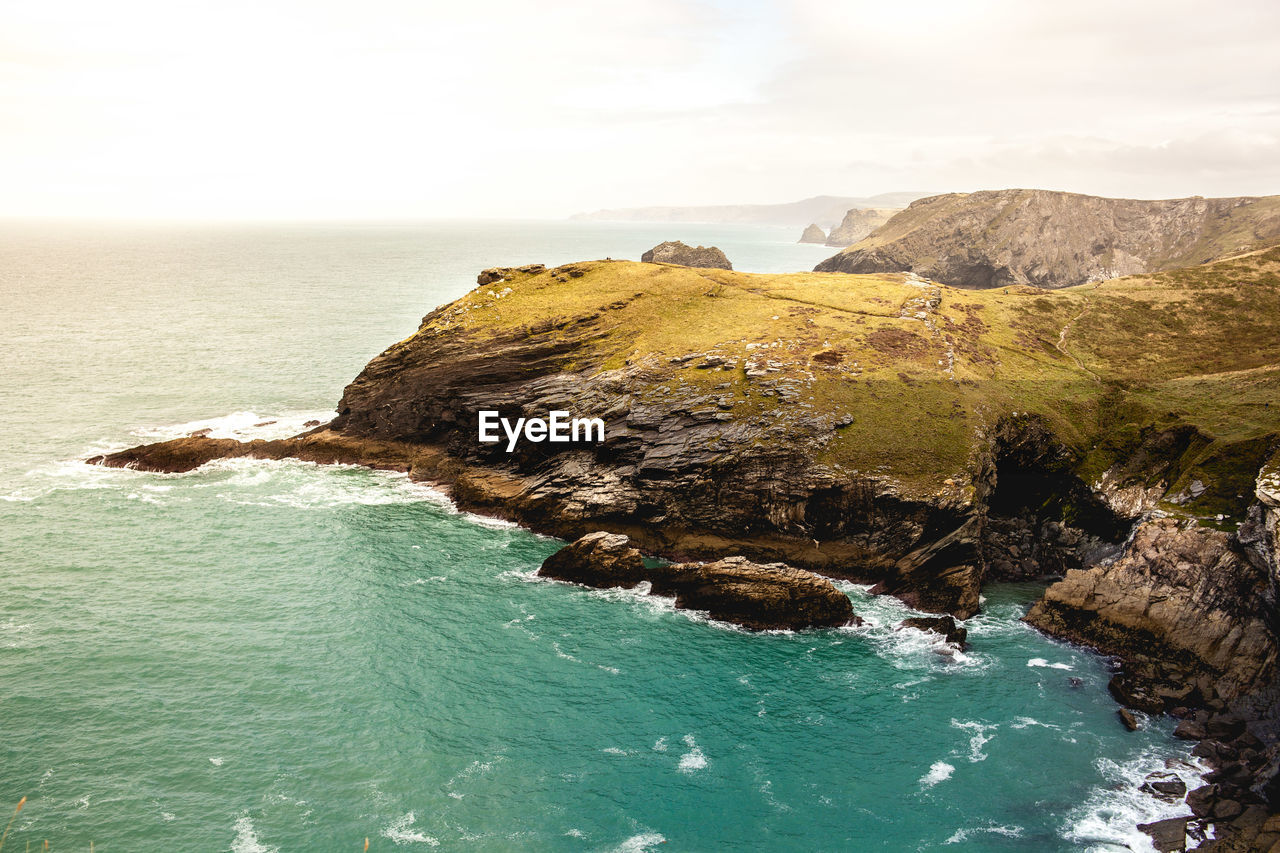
<point x="401" y="108"/>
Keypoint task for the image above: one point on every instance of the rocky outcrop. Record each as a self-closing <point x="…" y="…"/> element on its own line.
<point x="813" y="234"/>
<point x="943" y="625"/>
<point x="1184" y="608"/>
<point x="863" y="434"/>
<point x="858" y="223"/>
<point x="676" y="252"/>
<point x="496" y="274"/>
<point x="1054" y="239"/>
<point x="733" y="589"/>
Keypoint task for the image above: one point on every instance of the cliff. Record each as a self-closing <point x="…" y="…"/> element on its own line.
<point x="1054" y="239"/>
<point x="887" y="429"/>
<point x="813" y="234"/>
<point x="879" y="428"/>
<point x="858" y="223"/>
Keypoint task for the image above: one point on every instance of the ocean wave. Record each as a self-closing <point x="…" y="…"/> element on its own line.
<point x="246" y="840"/>
<point x="979" y="737"/>
<point x="905" y="648"/>
<point x="692" y="760"/>
<point x="244" y="426"/>
<point x="1041" y="662"/>
<point x="939" y="771"/>
<point x="642" y="843"/>
<point x="1108" y="818"/>
<point x="962" y="835"/>
<point x="401" y="831"/>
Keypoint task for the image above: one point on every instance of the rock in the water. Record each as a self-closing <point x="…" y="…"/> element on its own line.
<point x="813" y="234"/>
<point x="1165" y="785"/>
<point x="944" y="625"/>
<point x="733" y="589"/>
<point x="1167" y="836"/>
<point x="1127" y="719"/>
<point x="598" y="559"/>
<point x="1184" y="608"/>
<point x="675" y="252"/>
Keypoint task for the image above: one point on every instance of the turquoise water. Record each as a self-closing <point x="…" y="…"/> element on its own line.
<point x="280" y="656"/>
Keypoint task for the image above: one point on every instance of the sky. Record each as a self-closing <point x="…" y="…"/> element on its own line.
<point x="390" y="109"/>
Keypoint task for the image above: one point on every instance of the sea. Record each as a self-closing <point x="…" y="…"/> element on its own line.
<point x="269" y="656"/>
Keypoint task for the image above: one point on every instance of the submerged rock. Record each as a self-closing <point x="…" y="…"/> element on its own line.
<point x="676" y="252"/>
<point x="734" y="589"/>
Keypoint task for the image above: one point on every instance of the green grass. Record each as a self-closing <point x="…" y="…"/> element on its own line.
<point x="1107" y="366"/>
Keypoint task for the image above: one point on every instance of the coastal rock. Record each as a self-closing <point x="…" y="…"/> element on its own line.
<point x="1050" y="239"/>
<point x="1168" y="835"/>
<point x="496" y="274"/>
<point x="862" y="434"/>
<point x="1165" y="786"/>
<point x="598" y="559"/>
<point x="733" y="589"/>
<point x="1188" y="613"/>
<point x="676" y="252"/>
<point x="944" y="625"/>
<point x="813" y="234"/>
<point x="858" y="223"/>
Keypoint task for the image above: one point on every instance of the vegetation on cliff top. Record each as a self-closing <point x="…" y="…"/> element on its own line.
<point x="915" y="375"/>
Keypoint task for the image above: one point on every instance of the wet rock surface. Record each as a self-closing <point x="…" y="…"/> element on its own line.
<point x="733" y="589"/>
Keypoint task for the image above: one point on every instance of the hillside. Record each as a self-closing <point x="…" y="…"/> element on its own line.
<point x="1053" y="239"/>
<point x="880" y="427"/>
<point x="824" y="210"/>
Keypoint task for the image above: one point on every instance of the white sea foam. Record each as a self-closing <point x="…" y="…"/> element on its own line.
<point x="939" y="771"/>
<point x="1041" y="662"/>
<point x="978" y="739"/>
<point x="692" y="760"/>
<point x="1108" y="818"/>
<point x="642" y="843"/>
<point x="216" y="762"/>
<point x="962" y="835"/>
<point x="401" y="831"/>
<point x="1028" y="722"/>
<point x="906" y="649"/>
<point x="239" y="425"/>
<point x="660" y="745"/>
<point x="246" y="840"/>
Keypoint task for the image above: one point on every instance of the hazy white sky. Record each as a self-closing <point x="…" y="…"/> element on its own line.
<point x="409" y="108"/>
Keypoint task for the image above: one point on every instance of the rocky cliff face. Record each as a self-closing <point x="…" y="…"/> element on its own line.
<point x="675" y="252"/>
<point x="858" y="223"/>
<point x="1053" y="239"/>
<point x="813" y="234"/>
<point x="1185" y="608"/>
<point x="888" y="430"/>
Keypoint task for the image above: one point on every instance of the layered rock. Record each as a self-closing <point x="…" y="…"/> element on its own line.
<point x="1184" y="608"/>
<point x="733" y="589"/>
<point x="1054" y="239"/>
<point x="676" y="252"/>
<point x="863" y="432"/>
<point x="813" y="234"/>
